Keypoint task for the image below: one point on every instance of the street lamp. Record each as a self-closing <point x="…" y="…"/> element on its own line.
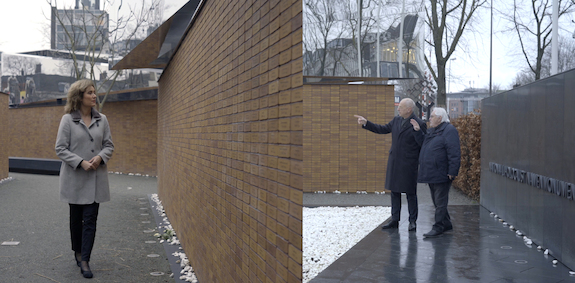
<point x="449" y="81"/>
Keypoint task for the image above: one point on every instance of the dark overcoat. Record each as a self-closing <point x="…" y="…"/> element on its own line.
<point x="440" y="154"/>
<point x="401" y="174"/>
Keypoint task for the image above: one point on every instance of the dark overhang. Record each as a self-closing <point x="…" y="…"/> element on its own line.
<point x="157" y="49"/>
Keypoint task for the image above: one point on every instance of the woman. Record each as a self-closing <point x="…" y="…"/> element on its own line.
<point x="84" y="144"/>
<point x="439" y="161"/>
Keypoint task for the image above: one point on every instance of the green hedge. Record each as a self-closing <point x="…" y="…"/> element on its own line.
<point x="469" y="128"/>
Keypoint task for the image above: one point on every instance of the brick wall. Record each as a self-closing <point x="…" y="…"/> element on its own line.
<point x="340" y="155"/>
<point x="133" y="124"/>
<point x="230" y="141"/>
<point x="4" y="126"/>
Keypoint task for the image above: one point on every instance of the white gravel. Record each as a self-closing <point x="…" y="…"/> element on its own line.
<point x="328" y="232"/>
<point x="187" y="273"/>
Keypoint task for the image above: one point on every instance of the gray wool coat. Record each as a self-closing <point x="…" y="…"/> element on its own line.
<point x="77" y="141"/>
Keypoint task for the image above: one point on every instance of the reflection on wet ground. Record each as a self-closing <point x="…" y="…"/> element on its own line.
<point x="479" y="249"/>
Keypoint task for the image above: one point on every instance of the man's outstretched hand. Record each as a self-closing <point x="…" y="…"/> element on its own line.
<point x="360" y="120"/>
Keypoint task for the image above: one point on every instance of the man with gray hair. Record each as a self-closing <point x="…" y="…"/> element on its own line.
<point x="439" y="162"/>
<point x="401" y="174"/>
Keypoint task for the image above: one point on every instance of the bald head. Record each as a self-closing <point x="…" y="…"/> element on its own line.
<point x="405" y="108"/>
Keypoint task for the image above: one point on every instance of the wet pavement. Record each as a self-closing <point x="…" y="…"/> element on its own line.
<point x="125" y="249"/>
<point x="479" y="249"/>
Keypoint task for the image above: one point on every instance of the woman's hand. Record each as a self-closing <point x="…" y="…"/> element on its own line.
<point x="95" y="162"/>
<point x="415" y="124"/>
<point x="87" y="166"/>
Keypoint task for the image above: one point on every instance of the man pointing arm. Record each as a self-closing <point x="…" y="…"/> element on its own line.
<point x="402" y="164"/>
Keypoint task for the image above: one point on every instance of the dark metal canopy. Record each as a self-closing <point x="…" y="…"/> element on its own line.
<point x="157" y="49"/>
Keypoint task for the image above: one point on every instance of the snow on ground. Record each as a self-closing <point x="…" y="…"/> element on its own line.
<point x="328" y="232"/>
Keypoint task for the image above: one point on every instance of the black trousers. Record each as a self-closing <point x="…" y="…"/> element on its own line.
<point x="440" y="197"/>
<point x="396" y="206"/>
<point x="83" y="219"/>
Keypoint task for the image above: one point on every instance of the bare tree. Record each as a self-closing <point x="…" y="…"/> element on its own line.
<point x="531" y="22"/>
<point x="522" y="78"/>
<point x="319" y="29"/>
<point x="20" y="65"/>
<point x="447" y="20"/>
<point x="330" y="36"/>
<point x="565" y="61"/>
<point x="495" y="88"/>
<point x="366" y="24"/>
<point x="90" y="37"/>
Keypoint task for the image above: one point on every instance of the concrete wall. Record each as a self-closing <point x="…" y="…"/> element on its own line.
<point x="528" y="132"/>
<point x="32" y="133"/>
<point x="230" y="141"/>
<point x="4" y="136"/>
<point x="340" y="155"/>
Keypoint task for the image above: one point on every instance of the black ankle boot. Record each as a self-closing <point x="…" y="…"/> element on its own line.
<point x="76" y="256"/>
<point x="85" y="270"/>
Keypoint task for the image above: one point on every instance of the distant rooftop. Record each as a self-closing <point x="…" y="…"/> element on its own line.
<point x="470" y="92"/>
<point x="63" y="54"/>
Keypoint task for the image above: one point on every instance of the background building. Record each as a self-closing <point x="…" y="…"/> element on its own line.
<point x="47" y="74"/>
<point x="81" y="28"/>
<point x="338" y="56"/>
<point x="465" y="102"/>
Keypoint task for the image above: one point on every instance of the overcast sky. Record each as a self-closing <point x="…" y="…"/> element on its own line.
<point x="26" y="22"/>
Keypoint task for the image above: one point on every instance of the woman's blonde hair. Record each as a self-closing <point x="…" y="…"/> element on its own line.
<point x="76" y="94"/>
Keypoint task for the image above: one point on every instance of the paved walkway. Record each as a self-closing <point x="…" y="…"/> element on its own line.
<point x="31" y="213"/>
<point x="479" y="249"/>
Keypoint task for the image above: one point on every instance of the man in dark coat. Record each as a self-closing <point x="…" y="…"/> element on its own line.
<point x="439" y="163"/>
<point x="401" y="175"/>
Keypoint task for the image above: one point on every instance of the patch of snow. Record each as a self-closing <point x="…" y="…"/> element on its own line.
<point x="329" y="232"/>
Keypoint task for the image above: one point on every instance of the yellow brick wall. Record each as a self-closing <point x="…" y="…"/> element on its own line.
<point x="4" y="137"/>
<point x="133" y="124"/>
<point x="230" y="141"/>
<point x="340" y="155"/>
<point x="33" y="131"/>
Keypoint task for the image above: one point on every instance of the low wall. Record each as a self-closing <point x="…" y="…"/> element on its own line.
<point x="339" y="154"/>
<point x="4" y="140"/>
<point x="32" y="133"/>
<point x="527" y="168"/>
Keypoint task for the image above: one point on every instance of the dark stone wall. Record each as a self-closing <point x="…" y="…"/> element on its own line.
<point x="532" y="129"/>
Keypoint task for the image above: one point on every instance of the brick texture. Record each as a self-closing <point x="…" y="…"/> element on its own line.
<point x="32" y="133"/>
<point x="230" y="140"/>
<point x="340" y="155"/>
<point x="4" y="137"/>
